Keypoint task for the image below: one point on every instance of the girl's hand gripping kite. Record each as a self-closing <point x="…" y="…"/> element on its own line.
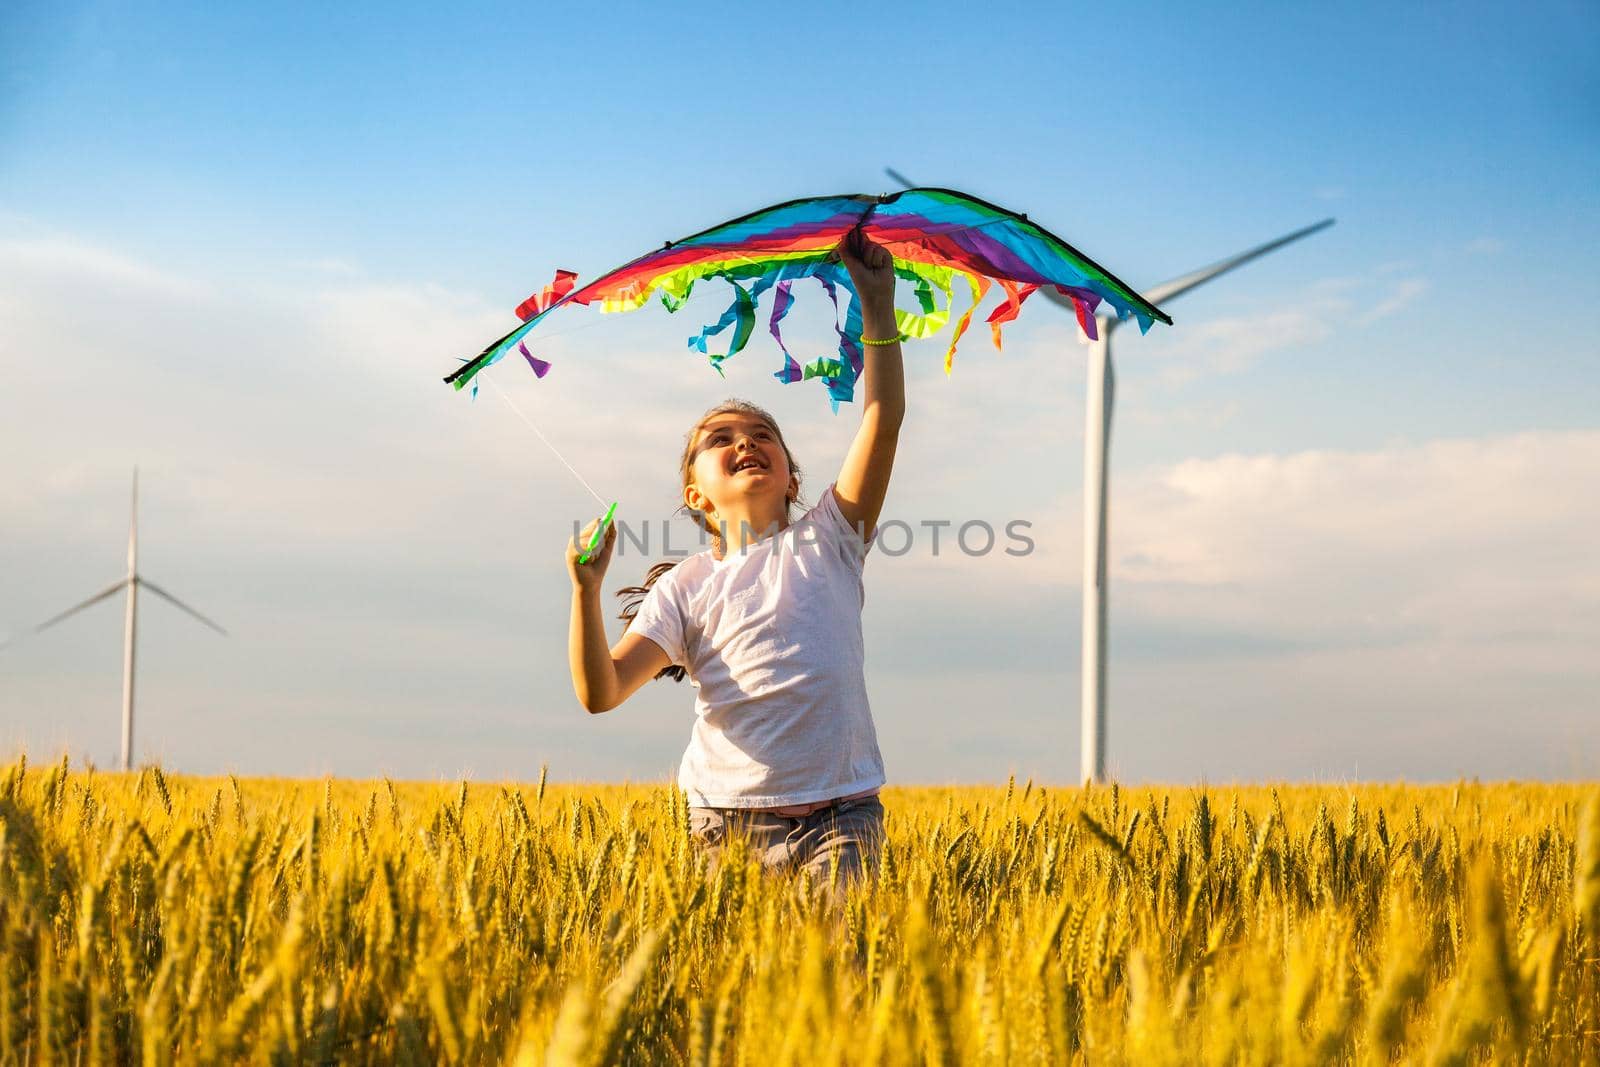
<point x="587" y="565"/>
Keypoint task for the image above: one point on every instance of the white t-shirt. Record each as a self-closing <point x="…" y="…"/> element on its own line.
<point x="771" y="639"/>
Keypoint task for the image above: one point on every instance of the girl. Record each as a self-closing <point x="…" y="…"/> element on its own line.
<point x="767" y="622"/>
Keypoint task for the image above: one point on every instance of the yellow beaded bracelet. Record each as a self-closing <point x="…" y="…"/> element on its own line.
<point x="886" y="341"/>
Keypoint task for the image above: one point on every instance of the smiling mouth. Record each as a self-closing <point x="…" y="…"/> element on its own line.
<point x="748" y="465"/>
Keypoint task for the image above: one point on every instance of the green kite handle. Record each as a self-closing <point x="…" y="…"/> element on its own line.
<point x="599" y="534"/>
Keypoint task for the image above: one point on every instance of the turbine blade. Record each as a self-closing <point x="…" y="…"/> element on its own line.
<point x="901" y="178"/>
<point x="1178" y="286"/>
<point x="160" y="592"/>
<point x="121" y="583"/>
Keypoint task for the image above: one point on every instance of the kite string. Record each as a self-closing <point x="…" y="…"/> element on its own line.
<point x="512" y="404"/>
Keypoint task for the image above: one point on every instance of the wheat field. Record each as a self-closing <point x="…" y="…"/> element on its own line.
<point x="158" y="919"/>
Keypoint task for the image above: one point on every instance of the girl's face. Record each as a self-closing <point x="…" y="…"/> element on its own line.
<point x="737" y="456"/>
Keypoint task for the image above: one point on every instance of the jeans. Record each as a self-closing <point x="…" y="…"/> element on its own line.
<point x="849" y="833"/>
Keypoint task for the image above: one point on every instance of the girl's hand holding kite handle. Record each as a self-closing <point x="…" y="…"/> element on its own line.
<point x="602" y="677"/>
<point x="588" y="576"/>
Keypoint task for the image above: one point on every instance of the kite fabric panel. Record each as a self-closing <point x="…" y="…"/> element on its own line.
<point x="942" y="242"/>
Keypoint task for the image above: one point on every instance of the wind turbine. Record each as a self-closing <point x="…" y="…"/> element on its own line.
<point x="133" y="582"/>
<point x="1097" y="442"/>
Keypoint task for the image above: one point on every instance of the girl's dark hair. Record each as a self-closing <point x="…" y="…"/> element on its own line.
<point x="633" y="595"/>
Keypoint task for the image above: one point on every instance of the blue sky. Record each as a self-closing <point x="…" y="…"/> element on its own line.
<point x="273" y="229"/>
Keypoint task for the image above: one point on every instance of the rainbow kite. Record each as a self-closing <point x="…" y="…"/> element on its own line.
<point x="938" y="239"/>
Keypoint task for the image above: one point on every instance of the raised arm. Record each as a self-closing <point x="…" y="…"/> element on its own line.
<point x="864" y="478"/>
<point x="602" y="677"/>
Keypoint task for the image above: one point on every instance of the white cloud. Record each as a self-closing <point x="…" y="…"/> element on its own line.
<point x="1229" y="345"/>
<point x="1400" y="297"/>
<point x="48" y="260"/>
<point x="1473" y="540"/>
<point x="332" y="266"/>
<point x="1424" y="610"/>
<point x="1320" y="311"/>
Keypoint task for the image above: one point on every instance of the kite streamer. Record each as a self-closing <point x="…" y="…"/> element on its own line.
<point x="939" y="240"/>
<point x="540" y="367"/>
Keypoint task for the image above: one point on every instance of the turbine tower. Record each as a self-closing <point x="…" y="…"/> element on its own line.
<point x="133" y="582"/>
<point x="1096" y="448"/>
